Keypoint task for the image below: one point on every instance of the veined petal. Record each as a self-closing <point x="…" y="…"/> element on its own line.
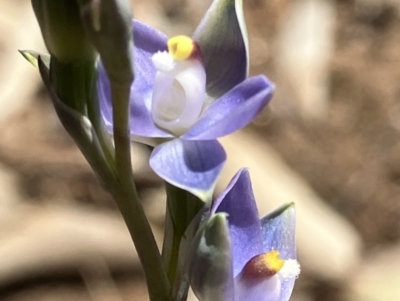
<point x="191" y="165"/>
<point x="279" y="234"/>
<point x="244" y="224"/>
<point x="211" y="269"/>
<point x="222" y="37"/>
<point x="234" y="110"/>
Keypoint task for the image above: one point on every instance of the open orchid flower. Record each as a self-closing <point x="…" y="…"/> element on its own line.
<point x="188" y="92"/>
<point x="239" y="256"/>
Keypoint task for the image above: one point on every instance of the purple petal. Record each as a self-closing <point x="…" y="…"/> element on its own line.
<point x="222" y="38"/>
<point x="244" y="224"/>
<point x="191" y="165"/>
<point x="147" y="42"/>
<point x="234" y="110"/>
<point x="279" y="234"/>
<point x="211" y="269"/>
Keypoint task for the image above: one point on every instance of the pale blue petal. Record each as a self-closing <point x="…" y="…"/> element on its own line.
<point x="279" y="234"/>
<point x="191" y="165"/>
<point x="234" y="110"/>
<point x="244" y="223"/>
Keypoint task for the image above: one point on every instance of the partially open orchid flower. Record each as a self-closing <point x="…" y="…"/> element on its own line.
<point x="188" y="92"/>
<point x="243" y="258"/>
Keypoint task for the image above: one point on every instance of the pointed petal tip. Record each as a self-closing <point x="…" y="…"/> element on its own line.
<point x="264" y="81"/>
<point x="288" y="208"/>
<point x="218" y="220"/>
<point x="244" y="171"/>
<point x="33" y="56"/>
<point x="29" y="57"/>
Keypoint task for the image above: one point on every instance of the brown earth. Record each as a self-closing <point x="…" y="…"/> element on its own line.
<point x="352" y="159"/>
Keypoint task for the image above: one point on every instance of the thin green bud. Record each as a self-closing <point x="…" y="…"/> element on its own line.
<point x="109" y="25"/>
<point x="62" y="29"/>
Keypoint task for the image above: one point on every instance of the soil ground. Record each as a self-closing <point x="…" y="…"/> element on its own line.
<point x="352" y="159"/>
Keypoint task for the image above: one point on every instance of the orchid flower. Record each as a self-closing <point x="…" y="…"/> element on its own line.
<point x="188" y="92"/>
<point x="240" y="257"/>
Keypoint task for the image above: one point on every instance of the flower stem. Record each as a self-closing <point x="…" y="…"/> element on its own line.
<point x="128" y="201"/>
<point x="94" y="114"/>
<point x="182" y="207"/>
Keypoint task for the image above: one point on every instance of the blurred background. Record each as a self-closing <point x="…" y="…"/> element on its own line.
<point x="329" y="141"/>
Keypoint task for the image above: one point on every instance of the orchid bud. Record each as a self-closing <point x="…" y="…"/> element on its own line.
<point x="70" y="76"/>
<point x="109" y="24"/>
<point x="62" y="29"/>
<point x="211" y="269"/>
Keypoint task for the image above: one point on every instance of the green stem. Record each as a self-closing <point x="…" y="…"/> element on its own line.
<point x="71" y="82"/>
<point x="127" y="199"/>
<point x="75" y="85"/>
<point x="95" y="117"/>
<point x="182" y="207"/>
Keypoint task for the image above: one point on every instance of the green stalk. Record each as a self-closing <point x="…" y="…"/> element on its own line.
<point x="128" y="201"/>
<point x="71" y="82"/>
<point x="94" y="114"/>
<point x="81" y="75"/>
<point x="182" y="207"/>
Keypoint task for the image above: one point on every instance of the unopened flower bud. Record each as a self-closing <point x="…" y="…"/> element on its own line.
<point x="62" y="29"/>
<point x="109" y="25"/>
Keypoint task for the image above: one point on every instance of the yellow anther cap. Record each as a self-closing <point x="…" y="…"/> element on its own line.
<point x="273" y="261"/>
<point x="263" y="266"/>
<point x="181" y="47"/>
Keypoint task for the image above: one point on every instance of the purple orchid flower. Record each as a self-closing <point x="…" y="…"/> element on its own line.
<point x="188" y="92"/>
<point x="240" y="257"/>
